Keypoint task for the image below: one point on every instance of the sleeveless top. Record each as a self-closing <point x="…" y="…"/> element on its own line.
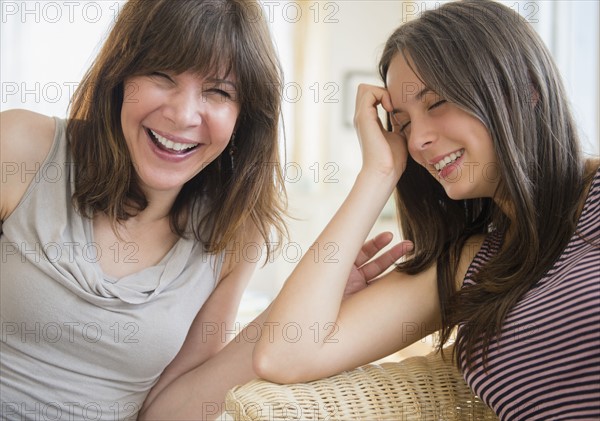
<point x="77" y="344"/>
<point x="546" y="363"/>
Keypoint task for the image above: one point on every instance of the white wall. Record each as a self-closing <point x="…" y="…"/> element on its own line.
<point x="45" y="47"/>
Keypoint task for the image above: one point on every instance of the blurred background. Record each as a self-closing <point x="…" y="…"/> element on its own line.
<point x="326" y="48"/>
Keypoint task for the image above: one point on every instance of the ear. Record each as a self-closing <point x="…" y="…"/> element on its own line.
<point x="534" y="93"/>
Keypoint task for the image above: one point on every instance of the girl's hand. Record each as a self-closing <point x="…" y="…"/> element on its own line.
<point x="384" y="152"/>
<point x="364" y="272"/>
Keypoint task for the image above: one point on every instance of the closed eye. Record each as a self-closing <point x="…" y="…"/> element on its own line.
<point x="162" y="76"/>
<point x="404" y="126"/>
<point x="437" y="104"/>
<point x="218" y="91"/>
<point x="400" y="122"/>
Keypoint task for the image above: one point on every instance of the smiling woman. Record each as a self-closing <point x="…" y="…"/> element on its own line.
<point x="501" y="205"/>
<point x="423" y="116"/>
<point x="162" y="179"/>
<point x="176" y="125"/>
<point x="138" y="69"/>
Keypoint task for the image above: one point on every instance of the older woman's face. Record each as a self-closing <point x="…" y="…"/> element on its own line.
<point x="176" y="124"/>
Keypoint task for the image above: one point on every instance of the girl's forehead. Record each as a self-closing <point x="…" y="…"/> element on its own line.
<point x="401" y="69"/>
<point x="401" y="78"/>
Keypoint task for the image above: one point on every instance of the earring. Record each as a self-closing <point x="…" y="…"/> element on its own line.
<point x="232" y="151"/>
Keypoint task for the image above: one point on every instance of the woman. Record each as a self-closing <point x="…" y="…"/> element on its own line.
<point x="123" y="250"/>
<point x="500" y="205"/>
<point x="129" y="234"/>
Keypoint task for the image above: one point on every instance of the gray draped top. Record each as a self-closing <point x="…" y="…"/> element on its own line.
<point x="78" y="344"/>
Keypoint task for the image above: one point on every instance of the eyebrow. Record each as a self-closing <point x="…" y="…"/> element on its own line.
<point x="418" y="97"/>
<point x="423" y="92"/>
<point x="225" y="81"/>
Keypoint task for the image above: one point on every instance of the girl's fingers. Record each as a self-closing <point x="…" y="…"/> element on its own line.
<point x="372" y="247"/>
<point x="368" y="97"/>
<point x="375" y="268"/>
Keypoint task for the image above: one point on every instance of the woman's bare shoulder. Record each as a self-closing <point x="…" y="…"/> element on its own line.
<point x="25" y="140"/>
<point x="25" y="135"/>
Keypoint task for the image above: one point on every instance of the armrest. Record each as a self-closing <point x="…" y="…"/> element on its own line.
<point x="418" y="388"/>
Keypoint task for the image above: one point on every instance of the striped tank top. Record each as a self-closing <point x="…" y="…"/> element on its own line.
<point x="547" y="366"/>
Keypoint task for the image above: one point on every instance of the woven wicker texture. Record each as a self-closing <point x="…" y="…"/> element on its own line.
<point x="417" y="388"/>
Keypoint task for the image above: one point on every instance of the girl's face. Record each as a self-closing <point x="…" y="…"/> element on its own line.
<point x="453" y="145"/>
<point x="175" y="125"/>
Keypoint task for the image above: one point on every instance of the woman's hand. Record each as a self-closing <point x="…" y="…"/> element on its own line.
<point x="384" y="152"/>
<point x="364" y="271"/>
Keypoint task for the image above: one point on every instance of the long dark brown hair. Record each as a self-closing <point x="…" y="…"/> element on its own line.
<point x="208" y="37"/>
<point x="486" y="59"/>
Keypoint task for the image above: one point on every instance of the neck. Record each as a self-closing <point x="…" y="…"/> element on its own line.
<point x="159" y="207"/>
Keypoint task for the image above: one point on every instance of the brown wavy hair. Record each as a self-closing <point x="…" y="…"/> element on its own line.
<point x="208" y="37"/>
<point x="486" y="59"/>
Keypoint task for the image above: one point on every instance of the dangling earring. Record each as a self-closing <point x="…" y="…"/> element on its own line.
<point x="232" y="151"/>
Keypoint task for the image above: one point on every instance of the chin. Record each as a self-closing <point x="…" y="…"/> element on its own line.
<point x="456" y="194"/>
<point x="455" y="197"/>
<point x="161" y="184"/>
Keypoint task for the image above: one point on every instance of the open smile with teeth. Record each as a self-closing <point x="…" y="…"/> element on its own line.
<point x="169" y="145"/>
<point x="443" y="163"/>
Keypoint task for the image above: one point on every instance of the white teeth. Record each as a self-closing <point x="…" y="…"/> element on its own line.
<point x="442" y="163"/>
<point x="172" y="145"/>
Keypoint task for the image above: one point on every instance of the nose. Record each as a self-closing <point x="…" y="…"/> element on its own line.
<point x="185" y="109"/>
<point x="423" y="135"/>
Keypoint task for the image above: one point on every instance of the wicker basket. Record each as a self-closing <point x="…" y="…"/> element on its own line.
<point x="418" y="388"/>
